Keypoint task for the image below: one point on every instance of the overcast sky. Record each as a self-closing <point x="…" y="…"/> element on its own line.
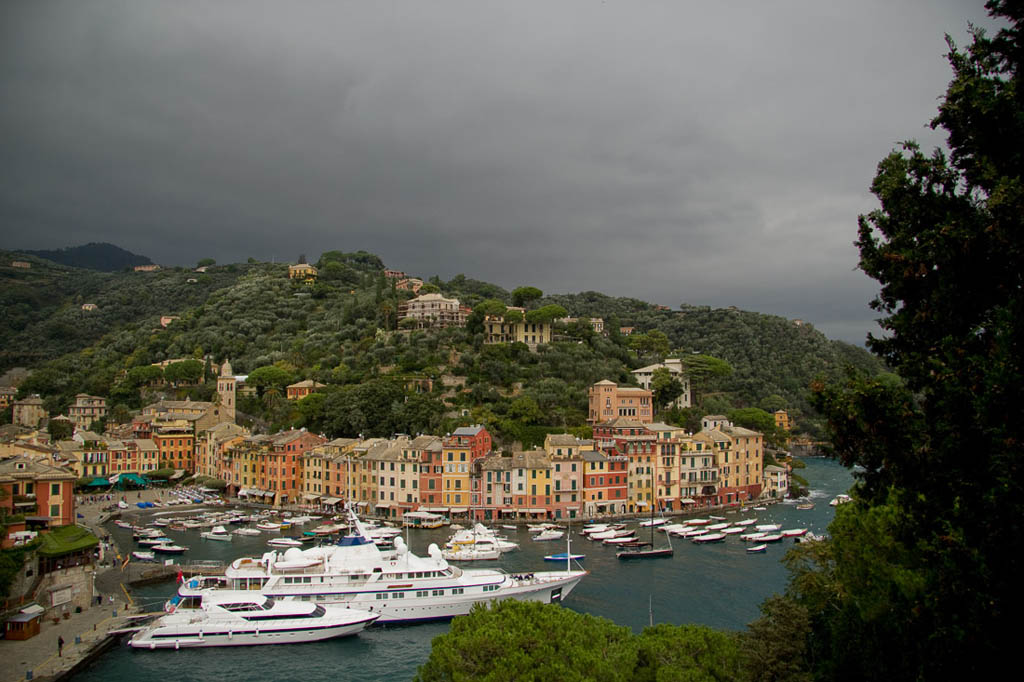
<point x="713" y="153"/>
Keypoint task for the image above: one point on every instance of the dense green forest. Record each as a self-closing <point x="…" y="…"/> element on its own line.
<point x="93" y="256"/>
<point x="343" y="331"/>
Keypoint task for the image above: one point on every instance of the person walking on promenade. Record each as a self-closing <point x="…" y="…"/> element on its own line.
<point x="60" y="646"/>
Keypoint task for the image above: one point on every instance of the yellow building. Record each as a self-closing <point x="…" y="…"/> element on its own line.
<point x="497" y="330"/>
<point x="455" y="481"/>
<point x="303" y="272"/>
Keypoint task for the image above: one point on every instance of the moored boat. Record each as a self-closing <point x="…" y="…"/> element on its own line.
<point x="757" y="549"/>
<point x="564" y="556"/>
<point x="284" y="542"/>
<point x="235" y="618"/>
<point x="170" y="548"/>
<point x="549" y="534"/>
<point x="401" y="586"/>
<point x="216" y="533"/>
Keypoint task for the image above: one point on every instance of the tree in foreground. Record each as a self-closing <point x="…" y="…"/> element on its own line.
<point x="921" y="577"/>
<point x="524" y="641"/>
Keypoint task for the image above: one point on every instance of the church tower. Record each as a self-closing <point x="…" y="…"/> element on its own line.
<point x="226" y="391"/>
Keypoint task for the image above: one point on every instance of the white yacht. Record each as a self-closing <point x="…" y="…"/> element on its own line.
<point x="398" y="585"/>
<point x="481" y="537"/>
<point x="230" y="618"/>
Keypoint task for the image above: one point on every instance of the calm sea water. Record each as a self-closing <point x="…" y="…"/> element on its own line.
<point x="718" y="585"/>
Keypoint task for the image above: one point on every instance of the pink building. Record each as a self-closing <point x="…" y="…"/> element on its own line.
<point x="609" y="401"/>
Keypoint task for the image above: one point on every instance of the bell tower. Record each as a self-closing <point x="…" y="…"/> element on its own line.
<point x="226" y="391"/>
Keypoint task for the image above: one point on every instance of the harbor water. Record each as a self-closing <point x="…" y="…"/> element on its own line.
<point x="717" y="584"/>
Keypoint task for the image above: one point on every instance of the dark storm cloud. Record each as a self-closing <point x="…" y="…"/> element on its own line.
<point x="709" y="153"/>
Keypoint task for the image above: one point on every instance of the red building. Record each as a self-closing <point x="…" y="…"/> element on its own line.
<point x="605" y="483"/>
<point x="475" y="438"/>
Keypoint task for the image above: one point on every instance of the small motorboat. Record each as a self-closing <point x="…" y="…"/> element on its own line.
<point x="769" y="527"/>
<point x="732" y="530"/>
<point x="840" y="499"/>
<point x="626" y="540"/>
<point x="153" y="542"/>
<point x="549" y="534"/>
<point x="251" y="532"/>
<point x="757" y="549"/>
<point x="715" y="527"/>
<point x="793" y="532"/>
<point x="745" y="522"/>
<point x="268" y="525"/>
<point x="284" y="542"/>
<point x="216" y="533"/>
<point x="508" y="527"/>
<point x="709" y="537"/>
<point x="804" y="506"/>
<point x="170" y="548"/>
<point x="144" y="556"/>
<point x="653" y="522"/>
<point x="564" y="556"/>
<point x="774" y="537"/>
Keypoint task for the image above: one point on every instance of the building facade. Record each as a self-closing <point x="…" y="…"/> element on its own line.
<point x="609" y="401"/>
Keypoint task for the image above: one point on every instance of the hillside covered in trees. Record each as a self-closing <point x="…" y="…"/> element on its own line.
<point x="93" y="256"/>
<point x="343" y="331"/>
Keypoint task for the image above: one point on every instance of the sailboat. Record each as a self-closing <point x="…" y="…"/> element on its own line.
<point x="653" y="552"/>
<point x="567" y="556"/>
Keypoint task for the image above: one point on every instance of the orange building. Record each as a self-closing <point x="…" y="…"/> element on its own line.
<point x="609" y="401"/>
<point x="44" y="494"/>
<point x="303" y="388"/>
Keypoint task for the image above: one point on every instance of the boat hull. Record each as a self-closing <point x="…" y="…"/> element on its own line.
<point x="194" y="636"/>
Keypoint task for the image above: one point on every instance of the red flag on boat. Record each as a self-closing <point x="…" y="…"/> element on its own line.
<point x="181" y="576"/>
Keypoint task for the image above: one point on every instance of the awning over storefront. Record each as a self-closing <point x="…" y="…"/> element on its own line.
<point x="641" y="503"/>
<point x="506" y="511"/>
<point x="536" y="511"/>
<point x="435" y="510"/>
<point x="360" y="504"/>
<point x="383" y="506"/>
<point x="331" y="500"/>
<point x="687" y="500"/>
<point x="98" y="483"/>
<point x="459" y="510"/>
<point x="310" y="498"/>
<point x="180" y="473"/>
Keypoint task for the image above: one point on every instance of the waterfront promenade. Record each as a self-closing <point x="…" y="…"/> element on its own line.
<point x="85" y="634"/>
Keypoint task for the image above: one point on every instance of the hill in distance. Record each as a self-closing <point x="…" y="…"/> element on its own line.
<point x="93" y="256"/>
<point x="343" y="332"/>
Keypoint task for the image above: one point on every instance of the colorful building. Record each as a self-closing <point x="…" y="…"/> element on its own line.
<point x="609" y="401"/>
